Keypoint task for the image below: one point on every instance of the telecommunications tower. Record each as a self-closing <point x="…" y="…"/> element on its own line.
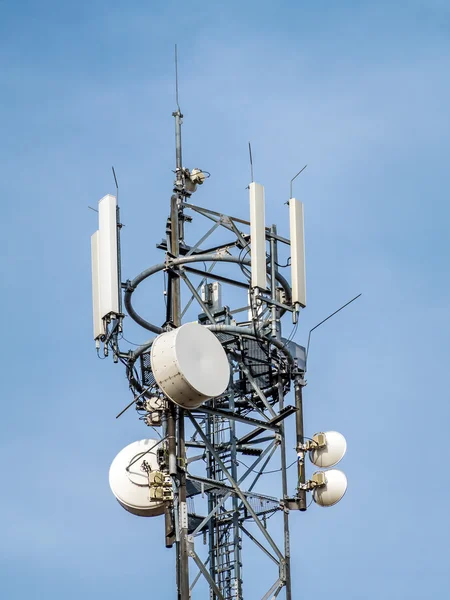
<point x="220" y="385"/>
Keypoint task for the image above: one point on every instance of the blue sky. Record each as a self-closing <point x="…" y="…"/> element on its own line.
<point x="357" y="90"/>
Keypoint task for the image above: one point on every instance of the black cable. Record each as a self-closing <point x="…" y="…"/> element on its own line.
<point x="291" y="335"/>
<point x="246" y="272"/>
<point x="267" y="472"/>
<point x="129" y="375"/>
<point x="128" y="341"/>
<point x="288" y="263"/>
<point x="293" y="332"/>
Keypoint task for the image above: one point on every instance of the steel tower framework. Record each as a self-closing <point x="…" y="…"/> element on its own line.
<point x="208" y="450"/>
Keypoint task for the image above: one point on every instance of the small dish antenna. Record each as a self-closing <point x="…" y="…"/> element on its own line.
<point x="129" y="478"/>
<point x="330" y="449"/>
<point x="332" y="490"/>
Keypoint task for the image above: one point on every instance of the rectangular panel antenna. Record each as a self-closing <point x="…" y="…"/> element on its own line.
<point x="108" y="264"/>
<point x="99" y="328"/>
<point x="258" y="236"/>
<point x="298" y="269"/>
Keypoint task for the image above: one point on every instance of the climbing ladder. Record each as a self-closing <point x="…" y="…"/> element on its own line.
<point x="225" y="554"/>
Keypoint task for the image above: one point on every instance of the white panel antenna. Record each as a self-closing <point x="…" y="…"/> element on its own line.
<point x="298" y="269"/>
<point x="99" y="326"/>
<point x="258" y="236"/>
<point x="108" y="264"/>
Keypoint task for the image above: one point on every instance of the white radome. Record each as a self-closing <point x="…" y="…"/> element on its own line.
<point x="129" y="484"/>
<point x="331" y="453"/>
<point x="190" y="365"/>
<point x="334" y="489"/>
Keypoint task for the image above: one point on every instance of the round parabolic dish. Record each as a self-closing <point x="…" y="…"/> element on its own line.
<point x="190" y="365"/>
<point x="334" y="489"/>
<point x="129" y="484"/>
<point x="332" y="452"/>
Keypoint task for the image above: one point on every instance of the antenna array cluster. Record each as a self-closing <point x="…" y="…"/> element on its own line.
<point x="215" y="379"/>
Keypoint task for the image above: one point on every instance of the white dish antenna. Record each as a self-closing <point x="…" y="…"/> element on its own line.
<point x="258" y="236"/>
<point x="331" y="452"/>
<point x="333" y="490"/>
<point x="190" y="365"/>
<point x="129" y="481"/>
<point x="298" y="268"/>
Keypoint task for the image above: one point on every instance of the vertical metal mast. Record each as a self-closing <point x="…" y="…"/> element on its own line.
<point x="176" y="415"/>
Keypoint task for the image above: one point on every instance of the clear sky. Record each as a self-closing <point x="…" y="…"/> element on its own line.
<point x="357" y="90"/>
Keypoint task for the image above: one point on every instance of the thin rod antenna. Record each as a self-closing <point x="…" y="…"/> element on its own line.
<point x="119" y="253"/>
<point x="178" y="120"/>
<point x="251" y="162"/>
<point x="117" y="185"/>
<point x="133" y="401"/>
<point x="176" y="78"/>
<point x="329" y="317"/>
<point x="295" y="177"/>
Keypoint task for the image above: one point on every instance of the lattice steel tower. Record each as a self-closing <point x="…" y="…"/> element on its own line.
<point x="213" y="379"/>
